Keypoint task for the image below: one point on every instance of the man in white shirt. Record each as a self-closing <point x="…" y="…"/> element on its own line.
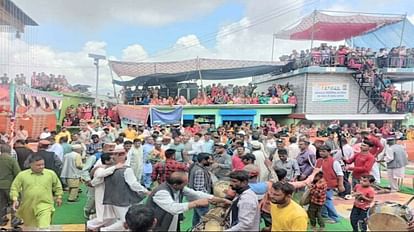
<point x="125" y="190"/>
<point x="45" y="134"/>
<point x="196" y="147"/>
<point x="208" y="143"/>
<point x="167" y="201"/>
<point x="293" y="148"/>
<point x="56" y="148"/>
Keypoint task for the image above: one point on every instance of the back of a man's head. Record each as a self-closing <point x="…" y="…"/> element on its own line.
<point x="140" y="218"/>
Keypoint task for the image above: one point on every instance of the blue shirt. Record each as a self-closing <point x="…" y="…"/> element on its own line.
<point x="146" y="150"/>
<point x="208" y="146"/>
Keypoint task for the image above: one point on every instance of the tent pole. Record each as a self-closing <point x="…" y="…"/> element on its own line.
<point x="199" y="75"/>
<point x="273" y="46"/>
<point x="313" y="31"/>
<point x="113" y="84"/>
<point x="402" y="30"/>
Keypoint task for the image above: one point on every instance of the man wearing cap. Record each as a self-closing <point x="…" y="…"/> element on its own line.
<point x="147" y="149"/>
<point x="396" y="158"/>
<point x="125" y="190"/>
<point x="222" y="162"/>
<point x="71" y="171"/>
<point x="260" y="157"/>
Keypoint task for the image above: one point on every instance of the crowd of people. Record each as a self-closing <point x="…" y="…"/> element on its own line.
<point x="216" y="94"/>
<point x="264" y="166"/>
<point x="44" y="82"/>
<point x="50" y="82"/>
<point x="366" y="62"/>
<point x="19" y="79"/>
<point x="89" y="112"/>
<point x="328" y="55"/>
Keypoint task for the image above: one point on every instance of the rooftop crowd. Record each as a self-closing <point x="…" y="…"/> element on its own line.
<point x="355" y="58"/>
<point x="44" y="82"/>
<point x="215" y="94"/>
<point x="263" y="166"/>
<point x="366" y="61"/>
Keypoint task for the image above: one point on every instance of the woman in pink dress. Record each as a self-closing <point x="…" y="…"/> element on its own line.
<point x="292" y="98"/>
<point x="88" y="113"/>
<point x="67" y="122"/>
<point x="254" y="99"/>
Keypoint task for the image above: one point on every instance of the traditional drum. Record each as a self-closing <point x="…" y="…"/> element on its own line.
<point x="213" y="220"/>
<point x="389" y="216"/>
<point x="220" y="187"/>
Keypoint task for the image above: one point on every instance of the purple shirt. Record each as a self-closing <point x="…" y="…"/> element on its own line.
<point x="303" y="159"/>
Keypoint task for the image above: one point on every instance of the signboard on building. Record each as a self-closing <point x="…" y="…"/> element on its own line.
<point x="330" y="92"/>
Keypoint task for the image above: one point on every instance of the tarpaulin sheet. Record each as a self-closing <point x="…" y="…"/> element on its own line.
<point x="386" y="37"/>
<point x="334" y="27"/>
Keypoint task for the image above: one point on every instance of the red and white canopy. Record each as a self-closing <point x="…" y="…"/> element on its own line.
<point x="335" y="28"/>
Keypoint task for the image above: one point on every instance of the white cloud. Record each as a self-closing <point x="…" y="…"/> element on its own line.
<point x="134" y="53"/>
<point x="92" y="14"/>
<point x="411" y="18"/>
<point x="21" y="57"/>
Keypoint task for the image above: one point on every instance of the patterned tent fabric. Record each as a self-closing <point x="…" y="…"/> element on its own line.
<point x="334" y="28"/>
<point x="35" y="98"/>
<point x="133" y="69"/>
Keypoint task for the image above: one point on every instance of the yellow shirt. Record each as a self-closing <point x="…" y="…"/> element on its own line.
<point x="290" y="218"/>
<point x="410" y="135"/>
<point x="130" y="134"/>
<point x="63" y="134"/>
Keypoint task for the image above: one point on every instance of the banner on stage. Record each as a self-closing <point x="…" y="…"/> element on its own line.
<point x="162" y="117"/>
<point x="330" y="92"/>
<point x="130" y="114"/>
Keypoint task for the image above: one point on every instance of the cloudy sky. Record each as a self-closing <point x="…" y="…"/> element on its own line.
<point x="158" y="30"/>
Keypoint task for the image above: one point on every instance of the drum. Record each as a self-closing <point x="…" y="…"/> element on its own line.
<point x="389" y="216"/>
<point x="213" y="220"/>
<point x="220" y="187"/>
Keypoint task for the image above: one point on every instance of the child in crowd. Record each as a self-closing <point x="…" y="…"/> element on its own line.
<point x="317" y="200"/>
<point x="364" y="196"/>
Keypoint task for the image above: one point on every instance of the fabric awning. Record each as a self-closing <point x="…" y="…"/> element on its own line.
<point x="322" y="117"/>
<point x="154" y="73"/>
<point x="335" y="28"/>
